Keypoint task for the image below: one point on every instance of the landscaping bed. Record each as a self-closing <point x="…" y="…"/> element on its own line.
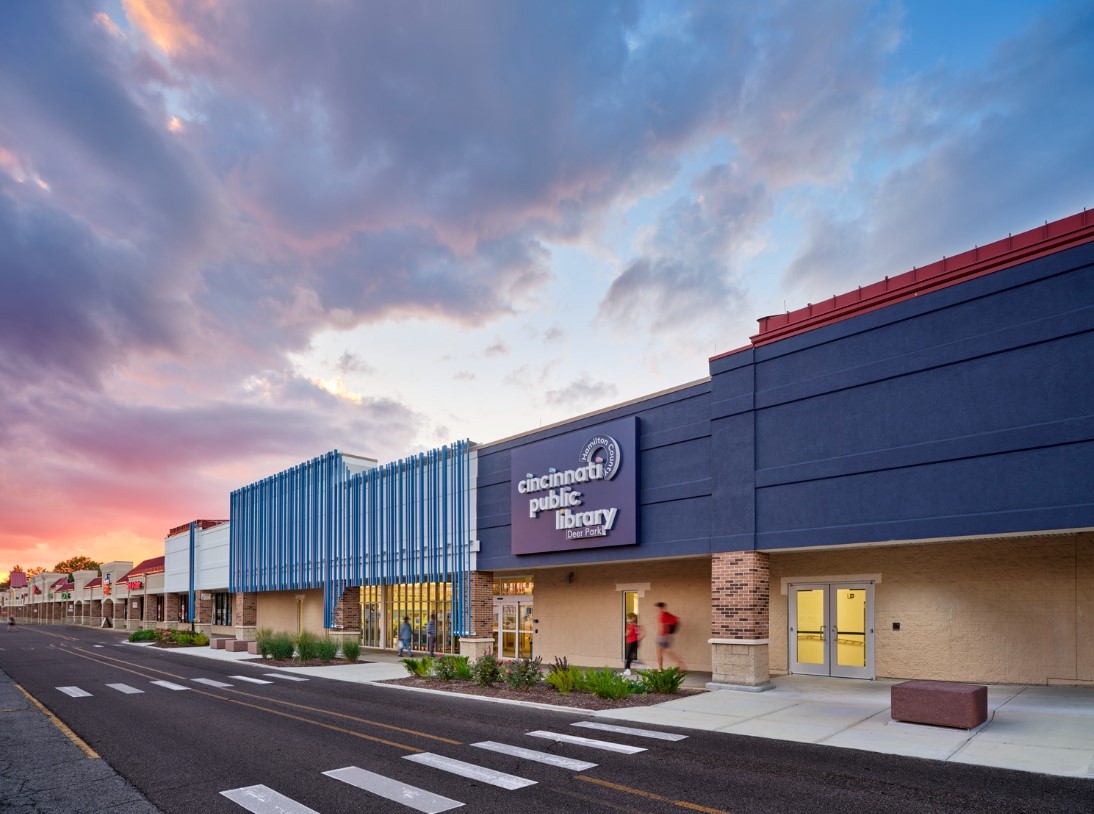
<point x="541" y="694"/>
<point x="295" y="662"/>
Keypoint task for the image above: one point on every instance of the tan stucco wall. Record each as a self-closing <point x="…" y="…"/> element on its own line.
<point x="277" y="610"/>
<point x="1005" y="611"/>
<point x="583" y="620"/>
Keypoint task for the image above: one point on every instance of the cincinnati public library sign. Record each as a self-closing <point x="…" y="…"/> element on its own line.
<point x="578" y="490"/>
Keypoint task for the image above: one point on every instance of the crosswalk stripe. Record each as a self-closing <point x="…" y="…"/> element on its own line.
<point x="252" y="680"/>
<point x="470" y="770"/>
<point x="595" y="744"/>
<point x="538" y="757"/>
<point x="211" y="682"/>
<point x="75" y="692"/>
<point x="264" y="800"/>
<point x="390" y="789"/>
<point x="284" y="677"/>
<point x="125" y="688"/>
<point x="96" y="645"/>
<point x="169" y="686"/>
<point x="630" y="730"/>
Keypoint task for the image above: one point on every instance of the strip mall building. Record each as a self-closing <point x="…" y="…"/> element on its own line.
<point x="895" y="483"/>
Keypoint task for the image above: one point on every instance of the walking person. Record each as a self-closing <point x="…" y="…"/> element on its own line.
<point x="406" y="633"/>
<point x="633" y="636"/>
<point x="431" y="634"/>
<point x="666" y="628"/>
<point x="11" y="624"/>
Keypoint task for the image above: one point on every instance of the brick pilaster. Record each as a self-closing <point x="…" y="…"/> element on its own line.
<point x="347" y="611"/>
<point x="170" y="609"/>
<point x="740" y="595"/>
<point x="482" y="603"/>
<point x="203" y="608"/>
<point x="245" y="609"/>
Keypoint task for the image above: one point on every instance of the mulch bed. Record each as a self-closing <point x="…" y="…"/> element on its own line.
<point x="542" y="694"/>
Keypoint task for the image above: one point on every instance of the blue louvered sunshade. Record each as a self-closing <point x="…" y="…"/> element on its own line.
<point x="317" y="525"/>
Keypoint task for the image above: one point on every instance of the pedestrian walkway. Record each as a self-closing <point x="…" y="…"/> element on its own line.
<point x="44" y="771"/>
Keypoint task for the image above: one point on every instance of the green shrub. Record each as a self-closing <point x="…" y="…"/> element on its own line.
<point x="447" y="668"/>
<point x="199" y="639"/>
<point x="608" y="684"/>
<point x="486" y="671"/>
<point x="351" y="649"/>
<point x="306" y="644"/>
<point x="661" y="681"/>
<point x="562" y="680"/>
<point x="263" y="637"/>
<point x="463" y="668"/>
<point x="326" y="649"/>
<point x="281" y="646"/>
<point x="143" y="636"/>
<point x="422" y="667"/>
<point x="522" y="674"/>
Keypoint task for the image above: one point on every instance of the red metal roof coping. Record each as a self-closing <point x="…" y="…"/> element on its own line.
<point x="18" y="579"/>
<point x="152" y="566"/>
<point x="58" y="583"/>
<point x="1050" y="238"/>
<point x="201" y="524"/>
<point x="95" y="583"/>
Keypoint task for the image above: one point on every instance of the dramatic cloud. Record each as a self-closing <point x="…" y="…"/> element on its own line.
<point x="686" y="272"/>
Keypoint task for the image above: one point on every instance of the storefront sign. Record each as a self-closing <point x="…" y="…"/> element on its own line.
<point x="134" y="585"/>
<point x="579" y="490"/>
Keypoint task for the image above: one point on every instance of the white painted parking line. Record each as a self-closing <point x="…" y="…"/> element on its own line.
<point x="252" y="680"/>
<point x="75" y="692"/>
<point x="264" y="800"/>
<point x="595" y="744"/>
<point x="538" y="757"/>
<point x="411" y="796"/>
<point x="470" y="770"/>
<point x="284" y="677"/>
<point x="630" y="730"/>
<point x="125" y="688"/>
<point x="211" y="682"/>
<point x="96" y="645"/>
<point x="169" y="686"/>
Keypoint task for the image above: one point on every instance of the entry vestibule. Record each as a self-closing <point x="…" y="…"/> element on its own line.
<point x="831" y="629"/>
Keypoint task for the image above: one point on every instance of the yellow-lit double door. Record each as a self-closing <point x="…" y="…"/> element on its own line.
<point x="513" y="627"/>
<point x="832" y="629"/>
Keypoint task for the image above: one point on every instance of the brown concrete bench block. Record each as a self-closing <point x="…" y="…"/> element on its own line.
<point x="252" y="648"/>
<point x="235" y="645"/>
<point x="217" y="644"/>
<point x="940" y="703"/>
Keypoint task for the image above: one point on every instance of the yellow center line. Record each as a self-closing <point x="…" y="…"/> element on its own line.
<point x="57" y="722"/>
<point x="84" y="654"/>
<point x="649" y="795"/>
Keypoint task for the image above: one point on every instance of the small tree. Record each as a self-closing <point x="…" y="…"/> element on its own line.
<point x="76" y="563"/>
<point x="33" y="572"/>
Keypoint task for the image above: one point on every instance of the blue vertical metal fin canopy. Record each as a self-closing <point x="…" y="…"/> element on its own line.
<point x="318" y="525"/>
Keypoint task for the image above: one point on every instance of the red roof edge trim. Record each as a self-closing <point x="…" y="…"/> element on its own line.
<point x="152" y="566"/>
<point x="1042" y="241"/>
<point x="201" y="524"/>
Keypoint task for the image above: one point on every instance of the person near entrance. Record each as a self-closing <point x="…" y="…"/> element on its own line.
<point x="633" y="637"/>
<point x="431" y="634"/>
<point x="666" y="628"/>
<point x="406" y="633"/>
<point x="11" y="624"/>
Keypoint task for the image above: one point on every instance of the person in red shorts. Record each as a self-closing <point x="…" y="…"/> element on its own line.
<point x="633" y="637"/>
<point x="666" y="628"/>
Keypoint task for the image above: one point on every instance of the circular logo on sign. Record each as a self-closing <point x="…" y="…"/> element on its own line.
<point x="603" y="450"/>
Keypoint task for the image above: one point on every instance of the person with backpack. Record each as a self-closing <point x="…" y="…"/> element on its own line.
<point x="667" y="625"/>
<point x="633" y="633"/>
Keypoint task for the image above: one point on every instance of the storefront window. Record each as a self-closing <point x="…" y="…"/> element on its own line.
<point x="184" y="607"/>
<point x="222" y="609"/>
<point x="383" y="609"/>
<point x="514" y="586"/>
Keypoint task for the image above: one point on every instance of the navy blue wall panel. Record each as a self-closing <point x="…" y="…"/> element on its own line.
<point x="674" y="483"/>
<point x="966" y="411"/>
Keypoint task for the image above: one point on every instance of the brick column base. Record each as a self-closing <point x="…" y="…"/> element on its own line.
<point x="245" y="616"/>
<point x="203" y="612"/>
<point x="171" y="611"/>
<point x="347" y="611"/>
<point x="740" y="612"/>
<point x="482" y="604"/>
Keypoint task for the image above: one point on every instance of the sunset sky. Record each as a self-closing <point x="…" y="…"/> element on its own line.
<point x="235" y="235"/>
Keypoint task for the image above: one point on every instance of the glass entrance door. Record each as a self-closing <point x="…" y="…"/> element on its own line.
<point x="832" y="629"/>
<point x="513" y="631"/>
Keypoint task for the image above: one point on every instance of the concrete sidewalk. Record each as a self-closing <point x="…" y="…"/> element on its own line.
<point x="1034" y="729"/>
